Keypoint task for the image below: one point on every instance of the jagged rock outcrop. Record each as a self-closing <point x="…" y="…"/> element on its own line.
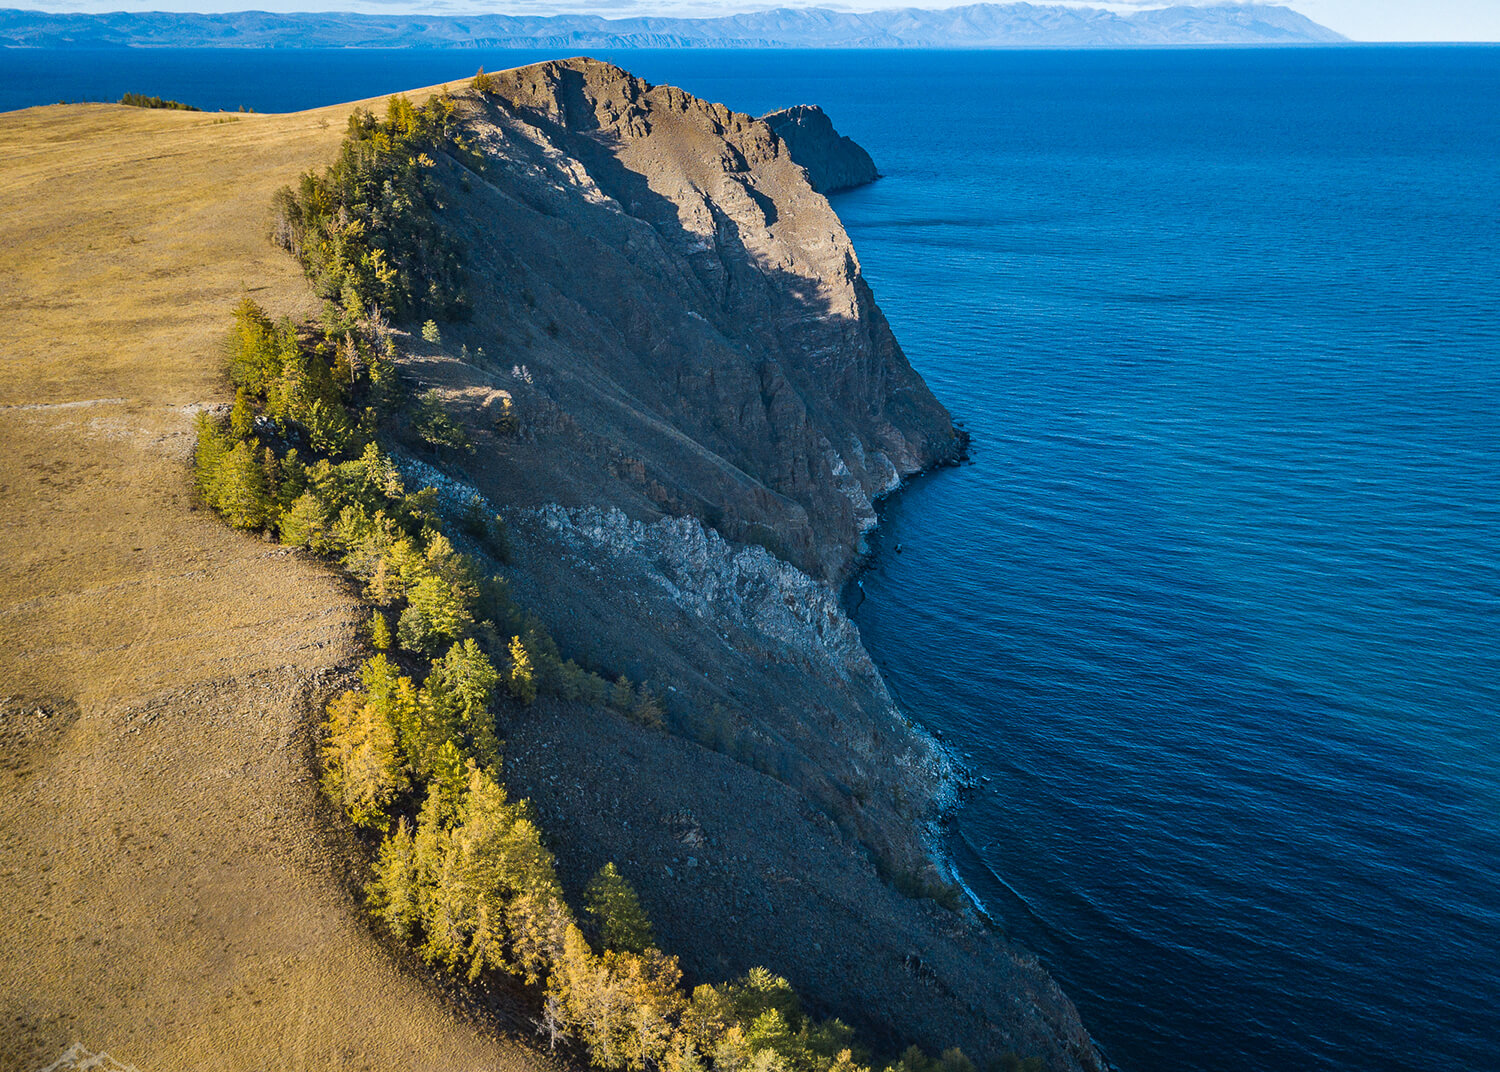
<point x="832" y="161"/>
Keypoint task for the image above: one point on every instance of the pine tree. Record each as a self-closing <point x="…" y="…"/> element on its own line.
<point x="622" y="696"/>
<point x="646" y="709"/>
<point x="272" y="470"/>
<point x="537" y="920"/>
<point x="571" y="685"/>
<point x="440" y="614"/>
<point x="466" y="926"/>
<point x="593" y="690"/>
<point x="363" y="768"/>
<point x="392" y="893"/>
<point x="380" y="632"/>
<point x="464" y="683"/>
<point x="242" y="416"/>
<point x="617" y="911"/>
<point x="521" y="681"/>
<point x="241" y="494"/>
<point x="653" y="1002"/>
<point x="213" y="447"/>
<point x="305" y="524"/>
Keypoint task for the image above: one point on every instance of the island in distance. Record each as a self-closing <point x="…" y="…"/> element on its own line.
<point x="973" y="26"/>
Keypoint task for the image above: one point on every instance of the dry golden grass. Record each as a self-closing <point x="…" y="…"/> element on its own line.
<point x="162" y="893"/>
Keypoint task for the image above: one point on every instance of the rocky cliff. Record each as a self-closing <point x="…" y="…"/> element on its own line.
<point x="832" y="161"/>
<point x="686" y="400"/>
<point x="679" y="318"/>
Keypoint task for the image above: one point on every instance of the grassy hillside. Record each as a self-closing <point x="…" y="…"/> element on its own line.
<point x="163" y="895"/>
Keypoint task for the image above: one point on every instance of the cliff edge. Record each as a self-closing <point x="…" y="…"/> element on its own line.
<point x="832" y="161"/>
<point x="684" y="399"/>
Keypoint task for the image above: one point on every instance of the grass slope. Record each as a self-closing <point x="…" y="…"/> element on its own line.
<point x="163" y="895"/>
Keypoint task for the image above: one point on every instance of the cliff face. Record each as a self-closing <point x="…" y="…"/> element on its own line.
<point x="681" y="386"/>
<point x="832" y="162"/>
<point x="696" y="334"/>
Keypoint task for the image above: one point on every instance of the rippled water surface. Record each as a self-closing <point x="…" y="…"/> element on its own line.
<point x="1214" y="609"/>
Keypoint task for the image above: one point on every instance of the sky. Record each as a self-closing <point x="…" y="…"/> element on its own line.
<point x="1361" y="20"/>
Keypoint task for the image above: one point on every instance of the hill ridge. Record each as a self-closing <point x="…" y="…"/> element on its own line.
<point x="970" y="26"/>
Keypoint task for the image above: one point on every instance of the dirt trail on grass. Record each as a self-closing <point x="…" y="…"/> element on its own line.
<point x="164" y="893"/>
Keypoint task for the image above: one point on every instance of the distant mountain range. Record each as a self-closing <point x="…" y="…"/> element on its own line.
<point x="974" y="26"/>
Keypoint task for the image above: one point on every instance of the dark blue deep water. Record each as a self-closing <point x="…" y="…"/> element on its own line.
<point x="1215" y="608"/>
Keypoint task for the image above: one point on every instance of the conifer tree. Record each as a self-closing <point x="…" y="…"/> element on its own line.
<point x="649" y="981"/>
<point x="212" y="448"/>
<point x="242" y="416"/>
<point x="571" y="681"/>
<point x="363" y="768"/>
<point x="593" y="689"/>
<point x="647" y="708"/>
<point x="305" y="523"/>
<point x="393" y="694"/>
<point x="617" y="911"/>
<point x="380" y="632"/>
<point x="439" y="611"/>
<point x="240" y="492"/>
<point x="447" y="771"/>
<point x="622" y="696"/>
<point x="272" y="470"/>
<point x="522" y="677"/>
<point x="464" y="682"/>
<point x="392" y="893"/>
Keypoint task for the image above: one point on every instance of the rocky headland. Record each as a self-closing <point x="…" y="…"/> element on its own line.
<point x="701" y="403"/>
<point x="832" y="161"/>
<point x="684" y="400"/>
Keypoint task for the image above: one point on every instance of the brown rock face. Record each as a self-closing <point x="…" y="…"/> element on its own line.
<point x="735" y="366"/>
<point x="832" y="161"/>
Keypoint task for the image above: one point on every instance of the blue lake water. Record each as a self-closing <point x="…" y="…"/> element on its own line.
<point x="1215" y="606"/>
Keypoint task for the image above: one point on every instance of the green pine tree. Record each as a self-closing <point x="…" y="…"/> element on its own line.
<point x="241" y="493"/>
<point x="380" y="632"/>
<point x="522" y="677"/>
<point x="617" y="912"/>
<point x="242" y="416"/>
